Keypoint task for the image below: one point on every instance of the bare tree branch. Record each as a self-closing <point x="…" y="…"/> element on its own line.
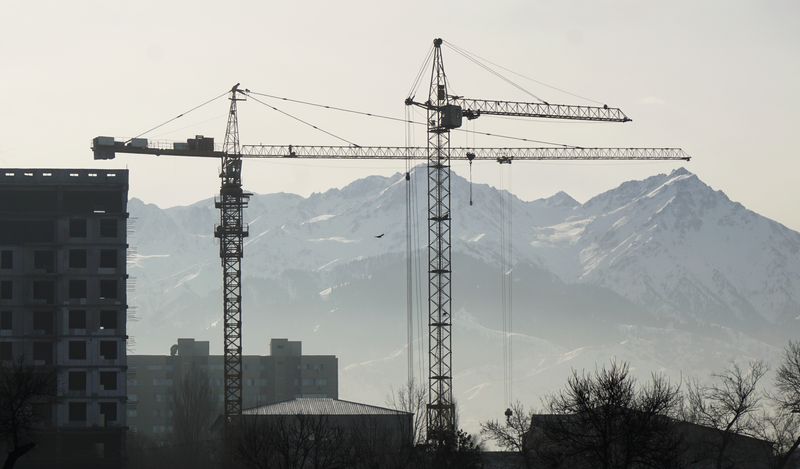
<point x="194" y="408"/>
<point x="21" y="386"/>
<point x="411" y="398"/>
<point x="605" y="420"/>
<point x="511" y="434"/>
<point x="729" y="404"/>
<point x="787" y="384"/>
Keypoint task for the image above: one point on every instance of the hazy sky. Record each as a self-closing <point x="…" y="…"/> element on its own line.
<point x="718" y="78"/>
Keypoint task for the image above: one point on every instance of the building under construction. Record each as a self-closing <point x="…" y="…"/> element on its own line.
<point x="63" y="307"/>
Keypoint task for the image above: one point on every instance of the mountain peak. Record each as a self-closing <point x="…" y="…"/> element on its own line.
<point x="680" y="172"/>
<point x="560" y="199"/>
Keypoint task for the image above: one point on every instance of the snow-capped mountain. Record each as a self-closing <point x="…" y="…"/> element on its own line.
<point x="665" y="272"/>
<point x="673" y="244"/>
<point x="668" y="243"/>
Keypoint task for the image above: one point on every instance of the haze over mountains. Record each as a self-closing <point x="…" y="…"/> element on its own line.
<point x="666" y="273"/>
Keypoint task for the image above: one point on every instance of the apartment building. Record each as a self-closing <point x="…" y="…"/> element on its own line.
<point x="282" y="375"/>
<point x="63" y="305"/>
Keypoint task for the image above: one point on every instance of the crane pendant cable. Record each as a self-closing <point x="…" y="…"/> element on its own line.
<point x="506" y="280"/>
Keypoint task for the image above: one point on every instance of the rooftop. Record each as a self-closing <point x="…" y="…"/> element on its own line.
<point x="320" y="406"/>
<point x="80" y="176"/>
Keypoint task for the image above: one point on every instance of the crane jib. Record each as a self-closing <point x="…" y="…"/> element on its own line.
<point x="106" y="149"/>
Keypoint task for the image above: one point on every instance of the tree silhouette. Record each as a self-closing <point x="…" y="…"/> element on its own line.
<point x="411" y="398"/>
<point x="729" y="404"/>
<point x="787" y="384"/>
<point x="22" y="386"/>
<point x="194" y="409"/>
<point x="606" y="420"/>
<point x="290" y="442"/>
<point x="512" y="434"/>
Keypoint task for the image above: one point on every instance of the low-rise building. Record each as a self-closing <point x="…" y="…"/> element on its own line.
<point x="572" y="441"/>
<point x="324" y="432"/>
<point x="282" y="375"/>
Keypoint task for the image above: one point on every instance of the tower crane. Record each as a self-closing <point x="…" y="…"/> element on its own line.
<point x="444" y="113"/>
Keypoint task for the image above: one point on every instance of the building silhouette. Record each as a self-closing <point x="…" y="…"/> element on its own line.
<point x="332" y="432"/>
<point x="282" y="375"/>
<point x="63" y="306"/>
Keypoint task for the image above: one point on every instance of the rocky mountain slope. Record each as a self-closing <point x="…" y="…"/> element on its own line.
<point x="665" y="272"/>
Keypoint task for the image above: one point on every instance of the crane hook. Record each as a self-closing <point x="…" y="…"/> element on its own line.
<point x="470" y="157"/>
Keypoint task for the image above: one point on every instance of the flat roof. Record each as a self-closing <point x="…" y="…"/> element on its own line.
<point x="62" y="176"/>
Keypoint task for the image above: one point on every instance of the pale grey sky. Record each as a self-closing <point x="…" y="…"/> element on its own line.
<point x="718" y="78"/>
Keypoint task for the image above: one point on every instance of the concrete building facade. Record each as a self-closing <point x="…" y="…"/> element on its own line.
<point x="63" y="235"/>
<point x="282" y="375"/>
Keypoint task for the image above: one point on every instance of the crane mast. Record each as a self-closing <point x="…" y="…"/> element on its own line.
<point x="231" y="232"/>
<point x="440" y="408"/>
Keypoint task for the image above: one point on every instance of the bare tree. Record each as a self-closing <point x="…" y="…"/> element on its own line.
<point x="605" y="420"/>
<point x="787" y="385"/>
<point x="728" y="405"/>
<point x="324" y="448"/>
<point x="411" y="398"/>
<point x="462" y="451"/>
<point x="512" y="434"/>
<point x="194" y="410"/>
<point x="780" y="429"/>
<point x="256" y="443"/>
<point x="21" y="387"/>
<point x="290" y="442"/>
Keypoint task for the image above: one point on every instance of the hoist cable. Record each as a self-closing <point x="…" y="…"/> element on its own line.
<point x="407" y="121"/>
<point x="409" y="262"/>
<point x="194" y="124"/>
<point x="335" y="108"/>
<point x="180" y="115"/>
<point x="523" y="76"/>
<point x="250" y="95"/>
<point x="495" y="73"/>
<point x="415" y="84"/>
<point x="522" y="139"/>
<point x="509" y="288"/>
<point x="503" y="285"/>
<point x="421" y="275"/>
<point x="506" y="281"/>
<point x="413" y="262"/>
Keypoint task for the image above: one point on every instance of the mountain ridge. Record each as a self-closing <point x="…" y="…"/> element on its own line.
<point x="636" y="229"/>
<point x="665" y="272"/>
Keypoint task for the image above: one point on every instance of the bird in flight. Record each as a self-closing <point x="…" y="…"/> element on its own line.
<point x="379" y="236"/>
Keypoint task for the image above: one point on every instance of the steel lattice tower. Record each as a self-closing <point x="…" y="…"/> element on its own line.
<point x="231" y="232"/>
<point x="440" y="409"/>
